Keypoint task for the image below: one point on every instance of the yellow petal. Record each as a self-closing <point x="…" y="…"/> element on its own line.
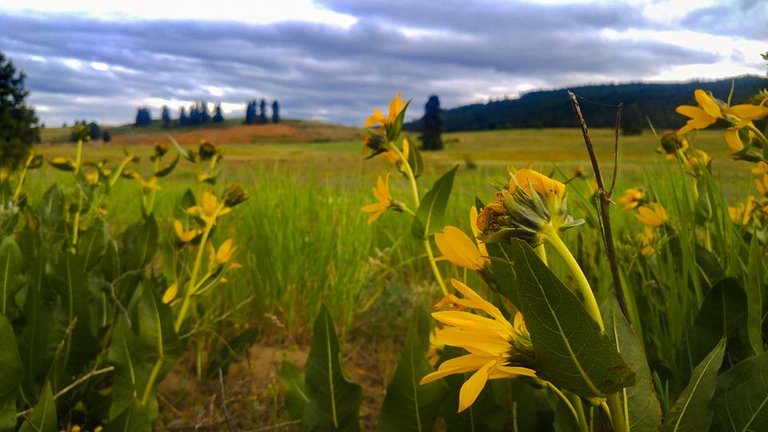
<point x="376" y="118"/>
<point x="542" y="184"/>
<point x="473" y="386"/>
<point x="462" y="364"/>
<point x="170" y="293"/>
<point x="733" y="140"/>
<point x="406" y="148"/>
<point x="748" y="112"/>
<point x="395" y="106"/>
<point x="484" y="305"/>
<point x="459" y="249"/>
<point x="707" y="103"/>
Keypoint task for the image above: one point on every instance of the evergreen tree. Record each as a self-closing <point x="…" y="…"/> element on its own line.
<point x="218" y="117"/>
<point x="183" y="120"/>
<point x="205" y="117"/>
<point x="263" y="111"/>
<point x="632" y="121"/>
<point x="433" y="125"/>
<point x="143" y="117"/>
<point x="194" y="115"/>
<point x="94" y="131"/>
<point x="275" y="112"/>
<point x="18" y="123"/>
<point x="106" y="136"/>
<point x="166" y="117"/>
<point x="250" y="112"/>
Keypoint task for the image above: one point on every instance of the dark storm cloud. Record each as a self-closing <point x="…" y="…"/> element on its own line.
<point x="455" y="49"/>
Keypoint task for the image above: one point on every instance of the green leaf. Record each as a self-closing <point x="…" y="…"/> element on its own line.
<point x="409" y="406"/>
<point x="11" y="374"/>
<point x="231" y="352"/>
<point x="334" y="402"/>
<point x="722" y="314"/>
<point x="10" y="270"/>
<point x="134" y="418"/>
<point x="93" y="244"/>
<point x="755" y="285"/>
<point x="643" y="403"/>
<point x="415" y="160"/>
<point x="162" y="172"/>
<point x="741" y="398"/>
<point x="292" y="378"/>
<point x="139" y="244"/>
<point x="500" y="276"/>
<point x="692" y="410"/>
<point x="43" y="417"/>
<point x="571" y="351"/>
<point x="429" y="216"/>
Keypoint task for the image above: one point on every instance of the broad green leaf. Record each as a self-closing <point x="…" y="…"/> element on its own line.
<point x="162" y="172"/>
<point x="643" y="403"/>
<point x="692" y="410"/>
<point x="429" y="216"/>
<point x="139" y="243"/>
<point x="93" y="244"/>
<point x="500" y="276"/>
<point x="50" y="211"/>
<point x="741" y="398"/>
<point x="134" y="418"/>
<point x="526" y="405"/>
<point x="415" y="160"/>
<point x="232" y="351"/>
<point x="43" y="416"/>
<point x="756" y="282"/>
<point x="571" y="351"/>
<point x="10" y="270"/>
<point x="722" y="314"/>
<point x="292" y="378"/>
<point x="409" y="406"/>
<point x="334" y="402"/>
<point x="11" y="374"/>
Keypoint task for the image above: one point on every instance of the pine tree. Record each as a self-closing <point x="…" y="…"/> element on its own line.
<point x="183" y="120"/>
<point x="205" y="117"/>
<point x="250" y="112"/>
<point x="433" y="125"/>
<point x="166" y="117"/>
<point x="218" y="117"/>
<point x="263" y="111"/>
<point x="94" y="131"/>
<point x="632" y="121"/>
<point x="18" y="123"/>
<point x="275" y="112"/>
<point x="106" y="136"/>
<point x="143" y="117"/>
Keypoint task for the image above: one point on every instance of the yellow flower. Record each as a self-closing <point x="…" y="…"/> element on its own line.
<point x="392" y="156"/>
<point x="435" y="348"/>
<point x="496" y="347"/>
<point x="381" y="192"/>
<point x="709" y="110"/>
<point x="741" y="214"/>
<point x="170" y="293"/>
<point x="210" y="208"/>
<point x="670" y="144"/>
<point x="702" y="116"/>
<point x="545" y="186"/>
<point x="396" y="105"/>
<point x="147" y="185"/>
<point x="222" y="255"/>
<point x="183" y="235"/>
<point x="762" y="185"/>
<point x="92" y="178"/>
<point x="459" y="249"/>
<point x="647" y="241"/>
<point x="632" y="198"/>
<point x="696" y="160"/>
<point x="476" y="231"/>
<point x="652" y="214"/>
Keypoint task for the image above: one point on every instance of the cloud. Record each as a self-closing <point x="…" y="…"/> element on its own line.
<point x="463" y="51"/>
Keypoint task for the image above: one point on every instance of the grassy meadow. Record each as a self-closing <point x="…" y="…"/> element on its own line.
<point x="302" y="241"/>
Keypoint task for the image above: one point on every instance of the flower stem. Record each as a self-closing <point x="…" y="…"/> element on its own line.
<point x="567" y="402"/>
<point x="617" y="413"/>
<point x="551" y="235"/>
<point x="759" y="134"/>
<point x="417" y="201"/>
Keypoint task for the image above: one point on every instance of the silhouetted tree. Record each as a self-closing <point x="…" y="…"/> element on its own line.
<point x="94" y="131"/>
<point x="205" y="117"/>
<point x="218" y="117"/>
<point x="263" y="111"/>
<point x="166" y="117"/>
<point x="18" y="123"/>
<point x="433" y="125"/>
<point x="106" y="136"/>
<point x="143" y="117"/>
<point x="183" y="119"/>
<point x="632" y="120"/>
<point x="250" y="112"/>
<point x="194" y="115"/>
<point x="275" y="112"/>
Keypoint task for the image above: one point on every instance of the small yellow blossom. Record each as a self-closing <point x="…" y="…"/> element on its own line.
<point x="396" y="105"/>
<point x="742" y="213"/>
<point x="150" y="184"/>
<point x="702" y="116"/>
<point x="393" y="157"/>
<point x="497" y="348"/>
<point x="92" y="178"/>
<point x="653" y="215"/>
<point x="545" y="186"/>
<point x="222" y="255"/>
<point x="210" y="208"/>
<point x="632" y="198"/>
<point x="183" y="235"/>
<point x="647" y="239"/>
<point x="459" y="249"/>
<point x="384" y="198"/>
<point x="170" y="294"/>
<point x="761" y="185"/>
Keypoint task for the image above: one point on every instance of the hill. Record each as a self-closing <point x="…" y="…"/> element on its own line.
<point x="551" y="109"/>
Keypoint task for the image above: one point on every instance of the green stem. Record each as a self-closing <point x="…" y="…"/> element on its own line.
<point x="759" y="134"/>
<point x="153" y="192"/>
<point x="582" y="419"/>
<point x="151" y="381"/>
<point x="566" y="401"/>
<point x="417" y="201"/>
<point x="22" y="177"/>
<point x="550" y="234"/>
<point x="617" y="413"/>
<point x="542" y="253"/>
<point x="195" y="270"/>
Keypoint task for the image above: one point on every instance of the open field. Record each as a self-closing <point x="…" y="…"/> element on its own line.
<point x="302" y="240"/>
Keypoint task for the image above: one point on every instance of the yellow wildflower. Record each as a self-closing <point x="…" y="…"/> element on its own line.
<point x="459" y="249"/>
<point x="696" y="160"/>
<point x="496" y="347"/>
<point x="761" y="185"/>
<point x="150" y="184"/>
<point x="653" y="215"/>
<point x="170" y="294"/>
<point x="92" y="178"/>
<point x="702" y="116"/>
<point x="392" y="156"/>
<point x="632" y="198"/>
<point x="545" y="186"/>
<point x="223" y="254"/>
<point x="381" y="192"/>
<point x="647" y="241"/>
<point x="396" y="105"/>
<point x="210" y="208"/>
<point x="741" y="214"/>
<point x="183" y="235"/>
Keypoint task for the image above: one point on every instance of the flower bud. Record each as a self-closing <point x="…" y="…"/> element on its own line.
<point x="234" y="195"/>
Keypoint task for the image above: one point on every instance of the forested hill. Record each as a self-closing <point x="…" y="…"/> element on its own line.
<point x="544" y="109"/>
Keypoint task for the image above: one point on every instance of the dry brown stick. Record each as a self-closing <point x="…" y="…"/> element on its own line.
<point x="605" y="201"/>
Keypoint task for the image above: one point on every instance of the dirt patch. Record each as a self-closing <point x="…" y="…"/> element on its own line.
<point x="243" y="134"/>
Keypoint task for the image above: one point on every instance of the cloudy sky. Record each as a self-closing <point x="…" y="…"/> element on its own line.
<point x="334" y="60"/>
